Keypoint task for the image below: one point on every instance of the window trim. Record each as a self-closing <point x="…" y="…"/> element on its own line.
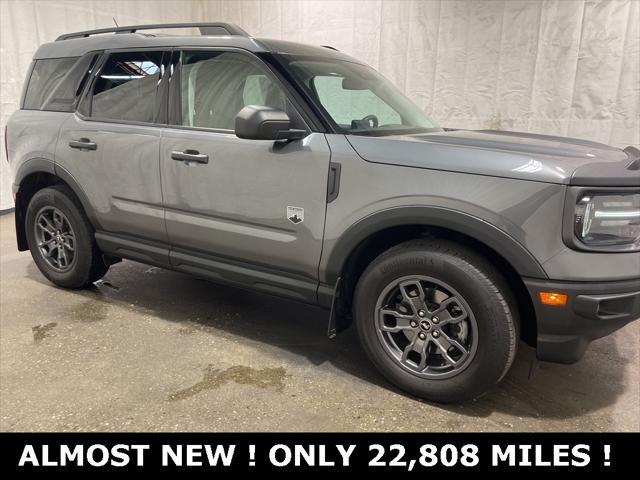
<point x="100" y="63"/>
<point x="174" y="117"/>
<point x="25" y="87"/>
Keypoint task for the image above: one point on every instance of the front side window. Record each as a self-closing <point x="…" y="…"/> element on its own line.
<point x="358" y="99"/>
<point x="217" y="85"/>
<point x="126" y="87"/>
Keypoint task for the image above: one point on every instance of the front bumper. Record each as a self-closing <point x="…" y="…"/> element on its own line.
<point x="593" y="310"/>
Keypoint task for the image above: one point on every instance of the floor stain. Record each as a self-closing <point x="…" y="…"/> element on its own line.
<point x="91" y="310"/>
<point x="215" y="378"/>
<point x="40" y="332"/>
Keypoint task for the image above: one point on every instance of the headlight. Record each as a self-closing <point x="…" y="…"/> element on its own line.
<point x="608" y="220"/>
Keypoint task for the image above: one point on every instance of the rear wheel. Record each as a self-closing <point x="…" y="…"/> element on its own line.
<point x="437" y="320"/>
<point x="61" y="239"/>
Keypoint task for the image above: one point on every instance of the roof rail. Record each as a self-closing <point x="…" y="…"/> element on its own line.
<point x="205" y="29"/>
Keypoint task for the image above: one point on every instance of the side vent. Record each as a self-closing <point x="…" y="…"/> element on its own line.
<point x="333" y="185"/>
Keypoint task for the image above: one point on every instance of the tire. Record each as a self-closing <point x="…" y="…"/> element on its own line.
<point x="476" y="311"/>
<point x="85" y="264"/>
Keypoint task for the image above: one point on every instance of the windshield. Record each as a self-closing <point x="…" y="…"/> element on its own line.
<point x="357" y="98"/>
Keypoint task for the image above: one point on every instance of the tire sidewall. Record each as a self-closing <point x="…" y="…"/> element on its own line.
<point x="76" y="275"/>
<point x="494" y="320"/>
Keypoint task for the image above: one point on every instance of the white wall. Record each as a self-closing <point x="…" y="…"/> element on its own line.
<point x="568" y="67"/>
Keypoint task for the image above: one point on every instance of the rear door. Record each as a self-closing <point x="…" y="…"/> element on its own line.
<point x="251" y="203"/>
<point x="110" y="146"/>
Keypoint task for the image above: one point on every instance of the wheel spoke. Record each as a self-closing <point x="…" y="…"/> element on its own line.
<point x="413" y="294"/>
<point x="47" y="227"/>
<point x="444" y="343"/>
<point x="444" y="315"/>
<point x="403" y="321"/>
<point x="68" y="245"/>
<point x="58" y="220"/>
<point x="59" y="257"/>
<point x="65" y="259"/>
<point x="418" y="345"/>
<point x="46" y="243"/>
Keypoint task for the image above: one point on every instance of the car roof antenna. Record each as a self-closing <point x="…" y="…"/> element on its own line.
<point x="114" y="21"/>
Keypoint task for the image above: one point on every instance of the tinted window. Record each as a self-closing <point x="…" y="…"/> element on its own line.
<point x="346" y="105"/>
<point x="63" y="97"/>
<point x="358" y="99"/>
<point x="126" y="87"/>
<point x="46" y="75"/>
<point x="217" y="85"/>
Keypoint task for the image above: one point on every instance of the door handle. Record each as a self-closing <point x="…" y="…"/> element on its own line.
<point x="83" y="144"/>
<point x="190" y="156"/>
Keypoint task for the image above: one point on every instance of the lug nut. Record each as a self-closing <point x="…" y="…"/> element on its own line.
<point x="436" y="334"/>
<point x="421" y="313"/>
<point x="414" y="324"/>
<point x="422" y="335"/>
<point x="435" y="320"/>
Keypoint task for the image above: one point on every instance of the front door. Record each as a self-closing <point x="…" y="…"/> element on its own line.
<point x="237" y="205"/>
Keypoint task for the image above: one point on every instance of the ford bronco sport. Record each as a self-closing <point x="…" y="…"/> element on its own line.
<point x="300" y="171"/>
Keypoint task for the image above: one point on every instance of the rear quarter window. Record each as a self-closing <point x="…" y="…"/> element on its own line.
<point x="55" y="83"/>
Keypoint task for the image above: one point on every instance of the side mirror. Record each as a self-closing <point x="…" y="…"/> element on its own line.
<point x="265" y="123"/>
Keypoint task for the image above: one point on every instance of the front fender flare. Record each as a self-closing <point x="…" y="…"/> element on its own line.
<point x="523" y="262"/>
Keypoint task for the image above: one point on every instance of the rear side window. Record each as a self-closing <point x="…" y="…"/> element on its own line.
<point x="126" y="87"/>
<point x="45" y="77"/>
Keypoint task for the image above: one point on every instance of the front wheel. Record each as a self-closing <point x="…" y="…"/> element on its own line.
<point x="437" y="320"/>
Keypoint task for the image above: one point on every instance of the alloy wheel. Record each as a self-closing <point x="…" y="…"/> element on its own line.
<point x="55" y="238"/>
<point x="426" y="326"/>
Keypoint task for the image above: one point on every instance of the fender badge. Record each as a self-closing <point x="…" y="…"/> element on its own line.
<point x="295" y="214"/>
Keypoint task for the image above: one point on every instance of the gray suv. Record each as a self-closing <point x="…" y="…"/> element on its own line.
<point x="301" y="172"/>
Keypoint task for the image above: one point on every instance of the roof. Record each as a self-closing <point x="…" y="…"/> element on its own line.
<point x="77" y="44"/>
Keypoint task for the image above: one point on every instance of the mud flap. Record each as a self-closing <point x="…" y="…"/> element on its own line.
<point x="333" y="316"/>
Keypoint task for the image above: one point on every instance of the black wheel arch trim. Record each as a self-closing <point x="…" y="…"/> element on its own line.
<point x="523" y="262"/>
<point x="69" y="179"/>
<point x="44" y="165"/>
<point x="31" y="166"/>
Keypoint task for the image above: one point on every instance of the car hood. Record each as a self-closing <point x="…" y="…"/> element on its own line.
<point x="507" y="154"/>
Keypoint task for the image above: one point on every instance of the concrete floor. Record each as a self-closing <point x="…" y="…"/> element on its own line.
<point x="148" y="349"/>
